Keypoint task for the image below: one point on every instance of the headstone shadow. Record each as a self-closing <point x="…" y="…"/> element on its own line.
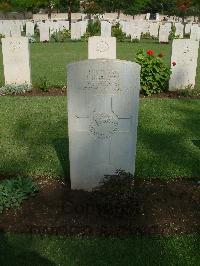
<point x="15" y="255"/>
<point x="61" y="146"/>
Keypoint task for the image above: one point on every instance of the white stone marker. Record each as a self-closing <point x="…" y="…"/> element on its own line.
<point x="153" y="30"/>
<point x="101" y="47"/>
<point x="30" y="29"/>
<point x="195" y="33"/>
<point x="44" y="32"/>
<point x="75" y="31"/>
<point x="135" y="32"/>
<point x="179" y="30"/>
<point x="103" y="98"/>
<point x="164" y="33"/>
<point x="106" y="28"/>
<point x="188" y="28"/>
<point x="185" y="55"/>
<point x="16" y="60"/>
<point x="15" y="29"/>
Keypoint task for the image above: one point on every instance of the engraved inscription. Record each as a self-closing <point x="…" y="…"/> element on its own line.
<point x="102" y="47"/>
<point x="103" y="126"/>
<point x="102" y="82"/>
<point x="15" y="46"/>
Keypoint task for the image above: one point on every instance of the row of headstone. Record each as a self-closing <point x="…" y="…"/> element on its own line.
<point x="11" y="28"/>
<point x="48" y="28"/>
<point x="157" y="30"/>
<point x="17" y="63"/>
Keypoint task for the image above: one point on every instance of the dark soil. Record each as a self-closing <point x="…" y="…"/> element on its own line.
<point x="63" y="92"/>
<point x="158" y="208"/>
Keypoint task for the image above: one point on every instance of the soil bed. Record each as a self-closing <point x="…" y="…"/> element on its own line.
<point x="63" y="92"/>
<point x="158" y="208"/>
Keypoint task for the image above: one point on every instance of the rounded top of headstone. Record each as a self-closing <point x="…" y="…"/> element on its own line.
<point x="105" y="61"/>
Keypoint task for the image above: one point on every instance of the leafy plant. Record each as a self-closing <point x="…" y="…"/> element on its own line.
<point x="189" y="92"/>
<point x="31" y="39"/>
<point x="118" y="33"/>
<point x="116" y="194"/>
<point x="14" y="89"/>
<point x="1" y="36"/>
<point x="93" y="28"/>
<point x="86" y="36"/>
<point x="154" y="73"/>
<point x="172" y="34"/>
<point x="61" y="36"/>
<point x="148" y="36"/>
<point x="135" y="40"/>
<point x="14" y="191"/>
<point x="43" y="84"/>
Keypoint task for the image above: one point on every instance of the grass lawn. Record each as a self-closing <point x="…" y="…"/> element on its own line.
<point x="26" y="250"/>
<point x="49" y="60"/>
<point x="33" y="139"/>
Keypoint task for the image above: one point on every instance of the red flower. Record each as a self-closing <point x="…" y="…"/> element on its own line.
<point x="150" y="52"/>
<point x="174" y="63"/>
<point x="160" y="55"/>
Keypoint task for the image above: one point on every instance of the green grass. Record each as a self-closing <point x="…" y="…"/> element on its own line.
<point x="26" y="250"/>
<point x="33" y="137"/>
<point x="50" y="59"/>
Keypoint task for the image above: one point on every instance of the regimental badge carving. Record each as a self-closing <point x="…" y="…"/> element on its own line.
<point x="103" y="126"/>
<point x="102" y="47"/>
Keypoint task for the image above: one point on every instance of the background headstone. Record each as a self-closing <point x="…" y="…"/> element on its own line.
<point x="106" y="29"/>
<point x="102" y="47"/>
<point x="75" y="31"/>
<point x="103" y="98"/>
<point x="44" y="32"/>
<point x="30" y="28"/>
<point x="16" y="60"/>
<point x="184" y="55"/>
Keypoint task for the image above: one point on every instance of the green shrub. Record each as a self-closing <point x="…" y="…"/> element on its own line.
<point x="135" y="40"/>
<point x="14" y="191"/>
<point x="61" y="36"/>
<point x="1" y="36"/>
<point x="15" y="89"/>
<point x="86" y="36"/>
<point x="116" y="195"/>
<point x="172" y="34"/>
<point x="43" y="84"/>
<point x="148" y="36"/>
<point x="93" y="28"/>
<point x="154" y="73"/>
<point x="118" y="33"/>
<point x="189" y="92"/>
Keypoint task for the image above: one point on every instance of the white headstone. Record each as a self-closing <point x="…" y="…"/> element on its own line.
<point x="64" y="25"/>
<point x="54" y="27"/>
<point x="16" y="60"/>
<point x="103" y="98"/>
<point x="15" y="29"/>
<point x="184" y="58"/>
<point x="76" y="31"/>
<point x="195" y="33"/>
<point x="148" y="16"/>
<point x="135" y="32"/>
<point x="179" y="29"/>
<point x="157" y="16"/>
<point x="102" y="47"/>
<point x="188" y="28"/>
<point x="164" y="33"/>
<point x="44" y="32"/>
<point x="153" y="30"/>
<point x="106" y="28"/>
<point x="30" y="28"/>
